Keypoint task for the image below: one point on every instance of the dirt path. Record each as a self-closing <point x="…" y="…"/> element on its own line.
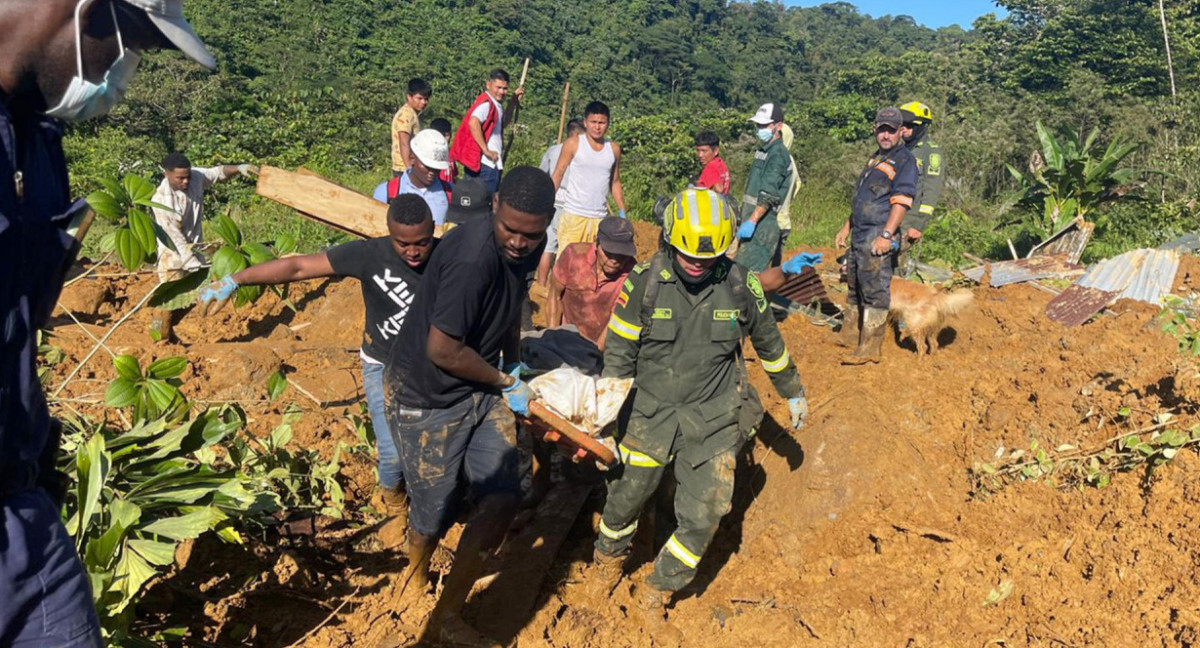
<point x="859" y="530"/>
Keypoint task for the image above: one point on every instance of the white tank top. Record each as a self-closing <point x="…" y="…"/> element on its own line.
<point x="588" y="179"/>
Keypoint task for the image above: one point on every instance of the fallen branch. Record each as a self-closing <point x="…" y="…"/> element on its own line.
<point x="326" y="621"/>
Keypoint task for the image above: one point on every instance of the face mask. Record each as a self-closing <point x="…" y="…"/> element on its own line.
<point x="84" y="99"/>
<point x="764" y="134"/>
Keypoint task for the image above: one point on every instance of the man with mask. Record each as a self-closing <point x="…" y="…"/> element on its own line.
<point x="766" y="189"/>
<point x="677" y="330"/>
<point x="930" y="166"/>
<point x="68" y="60"/>
<point x="882" y="196"/>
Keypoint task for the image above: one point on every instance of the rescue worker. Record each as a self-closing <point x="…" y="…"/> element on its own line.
<point x="60" y="60"/>
<point x="930" y="168"/>
<point x="882" y="196"/>
<point x="768" y="186"/>
<point x="677" y="330"/>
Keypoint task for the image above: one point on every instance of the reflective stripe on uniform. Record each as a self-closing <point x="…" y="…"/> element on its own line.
<point x="635" y="458"/>
<point x="775" y="366"/>
<point x="901" y="199"/>
<point x="618" y="534"/>
<point x="926" y="209"/>
<point x="681" y="552"/>
<point x="623" y="328"/>
<point x="887" y="169"/>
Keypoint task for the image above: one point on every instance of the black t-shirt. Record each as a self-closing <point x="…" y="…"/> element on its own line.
<point x="470" y="293"/>
<point x="388" y="287"/>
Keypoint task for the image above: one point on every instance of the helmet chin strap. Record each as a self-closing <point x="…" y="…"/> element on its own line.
<point x="687" y="279"/>
<point x="918" y="131"/>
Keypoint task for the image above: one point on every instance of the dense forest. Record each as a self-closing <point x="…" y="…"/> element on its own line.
<point x="315" y="83"/>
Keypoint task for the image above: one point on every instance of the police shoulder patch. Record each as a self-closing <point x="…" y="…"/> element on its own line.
<point x="665" y="274"/>
<point x="756" y="289"/>
<point x="641" y="267"/>
<point x="935" y="164"/>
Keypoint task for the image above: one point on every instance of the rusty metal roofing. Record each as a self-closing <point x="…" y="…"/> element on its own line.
<point x="1142" y="275"/>
<point x="804" y="288"/>
<point x="1019" y="270"/>
<point x="1070" y="240"/>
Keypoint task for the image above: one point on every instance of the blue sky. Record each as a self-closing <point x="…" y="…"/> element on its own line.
<point x="931" y="13"/>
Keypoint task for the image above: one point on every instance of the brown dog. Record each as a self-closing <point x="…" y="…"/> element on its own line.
<point x="924" y="310"/>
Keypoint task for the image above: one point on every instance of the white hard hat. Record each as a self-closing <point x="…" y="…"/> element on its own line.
<point x="167" y="16"/>
<point x="430" y="148"/>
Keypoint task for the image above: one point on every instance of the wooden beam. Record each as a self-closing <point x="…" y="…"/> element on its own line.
<point x="324" y="201"/>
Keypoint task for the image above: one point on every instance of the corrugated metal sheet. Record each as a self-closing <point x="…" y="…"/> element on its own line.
<point x="804" y="289"/>
<point x="1070" y="240"/>
<point x="1019" y="270"/>
<point x="1077" y="304"/>
<point x="1144" y="275"/>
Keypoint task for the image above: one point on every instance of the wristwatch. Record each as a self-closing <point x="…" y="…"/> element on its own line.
<point x="886" y="234"/>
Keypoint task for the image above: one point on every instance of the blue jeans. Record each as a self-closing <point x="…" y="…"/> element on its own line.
<point x="489" y="176"/>
<point x="391" y="469"/>
<point x="473" y="441"/>
<point x="45" y="599"/>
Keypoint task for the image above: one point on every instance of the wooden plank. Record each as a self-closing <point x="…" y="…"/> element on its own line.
<point x="565" y="432"/>
<point x="324" y="201"/>
<point x="506" y="604"/>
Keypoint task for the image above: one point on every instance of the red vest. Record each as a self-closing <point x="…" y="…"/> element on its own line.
<point x="464" y="150"/>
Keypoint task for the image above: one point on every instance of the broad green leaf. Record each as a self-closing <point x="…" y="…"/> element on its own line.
<point x="224" y="226"/>
<point x="142" y="228"/>
<point x="160" y="235"/>
<point x="102" y="551"/>
<point x="276" y="385"/>
<point x="129" y="250"/>
<point x="247" y="294"/>
<point x="181" y="293"/>
<point x="188" y="526"/>
<point x="128" y="367"/>
<point x="138" y="188"/>
<point x="285" y="244"/>
<point x="121" y="392"/>
<point x="164" y="368"/>
<point x="92" y="462"/>
<point x="157" y="553"/>
<point x="227" y="261"/>
<point x="258" y="253"/>
<point x="161" y="394"/>
<point x="104" y="204"/>
<point x="130" y="575"/>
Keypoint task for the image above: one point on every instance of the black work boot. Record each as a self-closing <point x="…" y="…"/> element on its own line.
<point x="874" y="324"/>
<point x="848" y="336"/>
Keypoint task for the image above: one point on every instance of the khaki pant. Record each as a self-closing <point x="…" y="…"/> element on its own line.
<point x="574" y="228"/>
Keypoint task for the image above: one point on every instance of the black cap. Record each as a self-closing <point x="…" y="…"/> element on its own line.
<point x="615" y="236"/>
<point x="470" y="198"/>
<point x="908" y="116"/>
<point x="889" y="116"/>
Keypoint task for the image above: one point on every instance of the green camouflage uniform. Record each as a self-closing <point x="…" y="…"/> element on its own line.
<point x="691" y="403"/>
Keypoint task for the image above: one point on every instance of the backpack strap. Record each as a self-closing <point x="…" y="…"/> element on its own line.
<point x="650" y="294"/>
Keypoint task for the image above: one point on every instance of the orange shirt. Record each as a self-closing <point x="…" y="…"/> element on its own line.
<point x="588" y="293"/>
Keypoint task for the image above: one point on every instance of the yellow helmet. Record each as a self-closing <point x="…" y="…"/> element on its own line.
<point x="923" y="113"/>
<point x="699" y="224"/>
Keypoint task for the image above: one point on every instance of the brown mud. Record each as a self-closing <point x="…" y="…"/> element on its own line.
<point x="861" y="529"/>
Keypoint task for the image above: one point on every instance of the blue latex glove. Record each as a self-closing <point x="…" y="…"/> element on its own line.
<point x="621" y="213"/>
<point x="798" y="407"/>
<point x="214" y="296"/>
<point x="895" y="244"/>
<point x="746" y="231"/>
<point x="798" y="263"/>
<point x="519" y="393"/>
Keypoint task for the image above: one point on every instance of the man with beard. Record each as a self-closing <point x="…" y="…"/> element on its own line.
<point x="882" y="196"/>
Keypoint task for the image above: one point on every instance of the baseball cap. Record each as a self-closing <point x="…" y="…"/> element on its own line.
<point x="167" y="16"/>
<point x="768" y="113"/>
<point x="615" y="236"/>
<point x="430" y="148"/>
<point x="470" y="198"/>
<point x="889" y="116"/>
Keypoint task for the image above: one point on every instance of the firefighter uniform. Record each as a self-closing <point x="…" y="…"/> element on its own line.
<point x="890" y="178"/>
<point x="682" y="345"/>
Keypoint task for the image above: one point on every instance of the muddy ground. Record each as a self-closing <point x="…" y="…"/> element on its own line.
<point x="862" y="529"/>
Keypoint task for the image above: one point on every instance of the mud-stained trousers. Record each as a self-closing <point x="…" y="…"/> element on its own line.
<point x="763" y="250"/>
<point x="703" y="495"/>
<point x="868" y="277"/>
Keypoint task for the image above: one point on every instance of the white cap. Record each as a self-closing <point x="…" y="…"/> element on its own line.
<point x="167" y="16"/>
<point x="768" y="113"/>
<point x="430" y="148"/>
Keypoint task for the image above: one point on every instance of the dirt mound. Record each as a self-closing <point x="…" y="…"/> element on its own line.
<point x="861" y="529"/>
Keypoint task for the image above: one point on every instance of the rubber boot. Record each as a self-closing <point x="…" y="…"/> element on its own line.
<point x="606" y="573"/>
<point x="393" y="533"/>
<point x="849" y="334"/>
<point x="874" y="323"/>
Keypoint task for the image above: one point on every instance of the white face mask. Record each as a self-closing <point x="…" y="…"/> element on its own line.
<point x="764" y="134"/>
<point x="84" y="99"/>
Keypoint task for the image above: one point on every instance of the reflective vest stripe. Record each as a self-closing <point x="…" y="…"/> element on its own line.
<point x="887" y="169"/>
<point x="926" y="209"/>
<point x="618" y="534"/>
